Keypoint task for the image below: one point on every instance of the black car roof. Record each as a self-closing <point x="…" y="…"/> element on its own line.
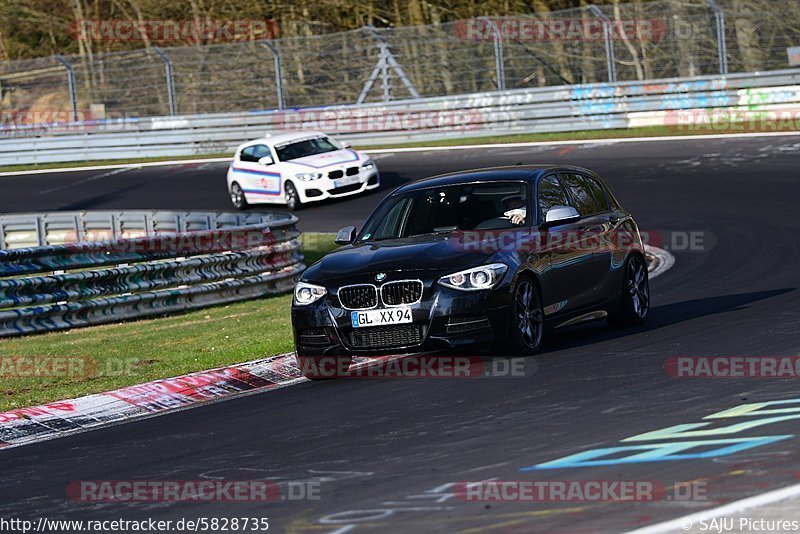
<point x="489" y="174"/>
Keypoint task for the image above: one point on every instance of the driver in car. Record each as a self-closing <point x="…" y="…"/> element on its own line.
<point x="515" y="210"/>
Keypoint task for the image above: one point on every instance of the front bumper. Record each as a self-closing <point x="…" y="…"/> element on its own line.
<point x="444" y="318"/>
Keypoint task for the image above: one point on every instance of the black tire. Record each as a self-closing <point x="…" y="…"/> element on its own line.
<point x="634" y="304"/>
<point x="526" y="329"/>
<point x="323" y="367"/>
<point x="291" y="196"/>
<point x="237" y="197"/>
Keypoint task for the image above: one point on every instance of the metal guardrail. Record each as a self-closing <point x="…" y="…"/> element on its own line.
<point x="540" y="110"/>
<point x="69" y="269"/>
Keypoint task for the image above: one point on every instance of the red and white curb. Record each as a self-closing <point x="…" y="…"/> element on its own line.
<point x="56" y="419"/>
<point x="39" y="423"/>
<point x="659" y="261"/>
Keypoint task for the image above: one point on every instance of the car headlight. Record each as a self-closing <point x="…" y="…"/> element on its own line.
<point x="368" y="165"/>
<point x="305" y="294"/>
<point x="308" y="176"/>
<point x="483" y="277"/>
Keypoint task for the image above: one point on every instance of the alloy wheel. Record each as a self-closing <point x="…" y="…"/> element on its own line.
<point x="290" y="194"/>
<point x="528" y="315"/>
<point x="237" y="197"/>
<point x="638" y="287"/>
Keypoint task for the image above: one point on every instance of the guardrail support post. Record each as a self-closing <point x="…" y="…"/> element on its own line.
<point x="499" y="64"/>
<point x="386" y="61"/>
<point x="722" y="43"/>
<point x="608" y="37"/>
<point x="170" y="80"/>
<point x="278" y="72"/>
<point x="73" y="97"/>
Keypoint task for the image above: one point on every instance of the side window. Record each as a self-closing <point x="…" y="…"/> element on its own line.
<point x="581" y="194"/>
<point x="248" y="154"/>
<point x="260" y="151"/>
<point x="598" y="193"/>
<point x="551" y="194"/>
<point x="391" y="224"/>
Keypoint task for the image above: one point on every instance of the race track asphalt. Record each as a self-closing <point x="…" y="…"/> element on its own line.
<point x="387" y="451"/>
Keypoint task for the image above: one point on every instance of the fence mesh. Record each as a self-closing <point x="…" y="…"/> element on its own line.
<point x="651" y="40"/>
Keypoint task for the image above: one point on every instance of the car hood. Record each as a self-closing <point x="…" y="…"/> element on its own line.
<point x="344" y="157"/>
<point x="441" y="253"/>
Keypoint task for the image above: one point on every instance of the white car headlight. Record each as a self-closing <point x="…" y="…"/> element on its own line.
<point x="368" y="165"/>
<point x="308" y="176"/>
<point x="307" y="293"/>
<point x="483" y="277"/>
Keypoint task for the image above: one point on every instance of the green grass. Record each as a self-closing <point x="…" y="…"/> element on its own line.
<point x="650" y="131"/>
<point x="316" y="244"/>
<point x="133" y="352"/>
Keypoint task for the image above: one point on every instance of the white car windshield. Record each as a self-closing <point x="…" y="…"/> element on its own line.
<point x="306" y="147"/>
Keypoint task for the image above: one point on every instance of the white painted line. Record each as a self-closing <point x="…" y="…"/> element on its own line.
<point x="85" y="180"/>
<point x="665" y="260"/>
<point x="114" y="166"/>
<point x="687" y="522"/>
<point x="390" y="151"/>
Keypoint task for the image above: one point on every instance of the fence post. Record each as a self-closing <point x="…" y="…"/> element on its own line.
<point x="170" y="80"/>
<point x="499" y="64"/>
<point x="722" y="43"/>
<point x="278" y="71"/>
<point x="608" y="37"/>
<point x="73" y="98"/>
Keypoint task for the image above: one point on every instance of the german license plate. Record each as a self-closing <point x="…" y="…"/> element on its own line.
<point x="362" y="319"/>
<point x="345" y="181"/>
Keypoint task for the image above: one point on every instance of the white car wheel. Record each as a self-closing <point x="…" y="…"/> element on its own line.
<point x="291" y="196"/>
<point x="237" y="197"/>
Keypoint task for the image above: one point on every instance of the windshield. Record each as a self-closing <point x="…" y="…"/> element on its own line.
<point x="441" y="210"/>
<point x="306" y="147"/>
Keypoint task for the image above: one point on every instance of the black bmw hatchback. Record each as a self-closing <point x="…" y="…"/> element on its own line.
<point x="483" y="258"/>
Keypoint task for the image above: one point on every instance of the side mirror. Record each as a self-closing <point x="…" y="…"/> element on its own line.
<point x="345" y="144"/>
<point x="266" y="160"/>
<point x="560" y="215"/>
<point x="345" y="236"/>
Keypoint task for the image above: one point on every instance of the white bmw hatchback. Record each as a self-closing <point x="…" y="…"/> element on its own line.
<point x="297" y="168"/>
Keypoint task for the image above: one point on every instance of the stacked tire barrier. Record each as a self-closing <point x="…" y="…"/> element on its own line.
<point x="65" y="270"/>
